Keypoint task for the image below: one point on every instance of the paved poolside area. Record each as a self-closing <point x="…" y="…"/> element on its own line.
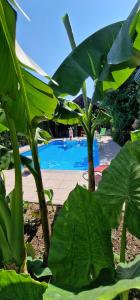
<point x="62" y="182"/>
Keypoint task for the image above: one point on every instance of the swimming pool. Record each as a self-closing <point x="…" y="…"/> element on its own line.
<point x="65" y="155"/>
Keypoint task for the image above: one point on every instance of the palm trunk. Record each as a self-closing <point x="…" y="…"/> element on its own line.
<point x="91" y="178"/>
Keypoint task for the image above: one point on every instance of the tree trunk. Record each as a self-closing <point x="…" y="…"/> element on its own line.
<point x="91" y="178"/>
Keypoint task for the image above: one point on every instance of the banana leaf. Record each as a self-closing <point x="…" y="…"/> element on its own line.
<point x="14" y="79"/>
<point x="109" y="56"/>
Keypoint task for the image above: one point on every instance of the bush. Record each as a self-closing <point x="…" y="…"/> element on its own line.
<point x="124" y="107"/>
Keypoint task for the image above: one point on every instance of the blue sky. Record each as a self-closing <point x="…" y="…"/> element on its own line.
<point x="44" y="38"/>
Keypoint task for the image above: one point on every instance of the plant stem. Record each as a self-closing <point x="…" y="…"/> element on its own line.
<point x="17" y="200"/>
<point x="41" y="198"/>
<point x="91" y="177"/>
<point x="38" y="178"/>
<point x="123" y="242"/>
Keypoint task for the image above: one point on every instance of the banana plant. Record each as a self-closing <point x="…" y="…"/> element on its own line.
<point x="24" y="97"/>
<point x="109" y="57"/>
<point x="14" y="98"/>
<point x="87" y="119"/>
<point x="11" y="216"/>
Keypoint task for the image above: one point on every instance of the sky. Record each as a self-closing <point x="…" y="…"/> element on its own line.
<point x="44" y="38"/>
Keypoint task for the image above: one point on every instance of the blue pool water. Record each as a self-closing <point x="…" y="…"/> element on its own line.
<point x="65" y="155"/>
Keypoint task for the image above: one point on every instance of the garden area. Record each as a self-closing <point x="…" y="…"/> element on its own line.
<point x="87" y="246"/>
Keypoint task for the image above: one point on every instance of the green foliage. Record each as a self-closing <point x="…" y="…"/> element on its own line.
<point x="66" y="114"/>
<point x="42" y="135"/>
<point x="9" y="250"/>
<point x="28" y="96"/>
<point x="101" y="118"/>
<point x="37" y="269"/>
<point x="14" y="286"/>
<point x="25" y="86"/>
<point x="124" y="107"/>
<point x="86" y="60"/>
<point x="17" y="6"/>
<point x="101" y="293"/>
<point x="135" y="135"/>
<point x="6" y="159"/>
<point x="129" y="270"/>
<point x="83" y="248"/>
<point x="119" y="186"/>
<point x="110" y="56"/>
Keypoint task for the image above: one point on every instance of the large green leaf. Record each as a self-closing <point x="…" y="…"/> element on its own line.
<point x="129" y="270"/>
<point x="8" y="73"/>
<point x="42" y="135"/>
<point x="3" y="128"/>
<point x="124" y="55"/>
<point x="8" y="82"/>
<point x="110" y="56"/>
<point x="16" y="5"/>
<point x="66" y="114"/>
<point x="14" y="83"/>
<point x="102" y="293"/>
<point x="14" y="286"/>
<point x="41" y="99"/>
<point x="27" y="62"/>
<point x="5" y="250"/>
<point x="127" y="38"/>
<point x="81" y="242"/>
<point x="37" y="269"/>
<point x="120" y="185"/>
<point x="86" y="60"/>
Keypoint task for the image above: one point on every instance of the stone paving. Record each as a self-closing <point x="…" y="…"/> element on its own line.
<point x="62" y="182"/>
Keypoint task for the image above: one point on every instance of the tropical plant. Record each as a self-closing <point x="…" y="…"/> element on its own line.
<point x="15" y="286"/>
<point x="88" y="218"/>
<point x="32" y="100"/>
<point x="83" y="249"/>
<point x="119" y="189"/>
<point x="21" y="286"/>
<point x="89" y="120"/>
<point x="17" y="89"/>
<point x="107" y="59"/>
<point x="123" y="105"/>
